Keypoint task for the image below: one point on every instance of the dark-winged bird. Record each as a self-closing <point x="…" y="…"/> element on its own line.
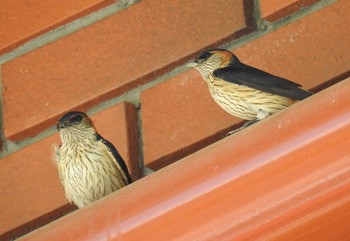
<point x="242" y="90"/>
<point x="89" y="166"/>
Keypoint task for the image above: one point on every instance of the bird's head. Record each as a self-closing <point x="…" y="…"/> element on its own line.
<point x="75" y="126"/>
<point x="212" y="59"/>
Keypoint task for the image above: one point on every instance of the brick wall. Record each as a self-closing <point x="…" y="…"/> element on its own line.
<point x="124" y="63"/>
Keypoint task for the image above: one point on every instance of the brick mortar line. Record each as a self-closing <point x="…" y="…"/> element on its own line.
<point x="303" y="12"/>
<point x="134" y="97"/>
<point x="140" y="140"/>
<point x="131" y="95"/>
<point x="266" y="27"/>
<point x="259" y="22"/>
<point x="2" y="131"/>
<point x="67" y="29"/>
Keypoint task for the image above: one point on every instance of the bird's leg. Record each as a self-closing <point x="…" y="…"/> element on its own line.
<point x="248" y="123"/>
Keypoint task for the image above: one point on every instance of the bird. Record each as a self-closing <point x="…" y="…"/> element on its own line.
<point x="89" y="166"/>
<point x="242" y="90"/>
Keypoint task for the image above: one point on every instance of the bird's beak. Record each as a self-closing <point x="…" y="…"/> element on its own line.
<point x="193" y="64"/>
<point x="60" y="125"/>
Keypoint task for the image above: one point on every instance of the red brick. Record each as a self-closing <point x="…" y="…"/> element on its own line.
<point x="29" y="184"/>
<point x="118" y="124"/>
<point x="109" y="57"/>
<point x="178" y="115"/>
<point x="22" y="21"/>
<point x="273" y="10"/>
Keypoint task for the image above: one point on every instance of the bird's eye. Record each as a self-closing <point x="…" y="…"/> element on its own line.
<point x="76" y="118"/>
<point x="206" y="55"/>
<point x="203" y="57"/>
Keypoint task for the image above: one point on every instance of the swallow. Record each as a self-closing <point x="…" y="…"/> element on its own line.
<point x="89" y="166"/>
<point x="245" y="91"/>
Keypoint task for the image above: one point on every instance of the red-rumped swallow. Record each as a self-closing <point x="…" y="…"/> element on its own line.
<point x="242" y="90"/>
<point x="89" y="166"/>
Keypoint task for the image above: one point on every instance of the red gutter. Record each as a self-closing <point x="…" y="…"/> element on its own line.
<point x="285" y="178"/>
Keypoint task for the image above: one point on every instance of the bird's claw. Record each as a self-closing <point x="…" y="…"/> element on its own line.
<point x="248" y="123"/>
<point x="234" y="131"/>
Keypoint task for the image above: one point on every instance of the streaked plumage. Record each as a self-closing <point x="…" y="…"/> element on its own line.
<point x="89" y="166"/>
<point x="242" y="90"/>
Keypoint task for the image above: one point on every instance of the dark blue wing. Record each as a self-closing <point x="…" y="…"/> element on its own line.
<point x="257" y="79"/>
<point x="117" y="156"/>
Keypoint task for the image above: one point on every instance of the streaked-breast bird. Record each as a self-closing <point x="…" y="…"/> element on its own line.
<point x="242" y="90"/>
<point x="89" y="166"/>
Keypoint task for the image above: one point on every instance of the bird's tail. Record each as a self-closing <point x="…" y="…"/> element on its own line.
<point x="301" y="94"/>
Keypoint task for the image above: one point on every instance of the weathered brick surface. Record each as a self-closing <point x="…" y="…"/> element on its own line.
<point x="22" y="21"/>
<point x="29" y="184"/>
<point x="107" y="58"/>
<point x="273" y="10"/>
<point x="177" y="114"/>
<point x="180" y="112"/>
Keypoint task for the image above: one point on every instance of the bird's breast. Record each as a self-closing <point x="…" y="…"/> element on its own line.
<point x="88" y="172"/>
<point x="245" y="102"/>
